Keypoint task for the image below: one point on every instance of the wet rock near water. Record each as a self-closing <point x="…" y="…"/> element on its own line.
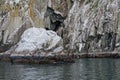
<point x="54" y="59"/>
<point x="36" y="59"/>
<point x="99" y="55"/>
<point x="42" y="59"/>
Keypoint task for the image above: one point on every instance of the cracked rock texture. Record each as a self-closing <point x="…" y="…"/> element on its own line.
<point x="84" y="25"/>
<point x="93" y="26"/>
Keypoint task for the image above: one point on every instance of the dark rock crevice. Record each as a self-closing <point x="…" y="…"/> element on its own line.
<point x="56" y="21"/>
<point x="4" y="47"/>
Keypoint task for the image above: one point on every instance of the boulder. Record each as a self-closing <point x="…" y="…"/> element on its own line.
<point x="38" y="40"/>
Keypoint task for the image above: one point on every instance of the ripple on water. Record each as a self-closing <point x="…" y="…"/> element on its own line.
<point x="83" y="69"/>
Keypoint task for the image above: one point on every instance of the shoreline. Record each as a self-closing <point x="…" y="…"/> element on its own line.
<point x="68" y="58"/>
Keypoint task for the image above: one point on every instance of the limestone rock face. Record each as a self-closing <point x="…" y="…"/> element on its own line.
<point x="16" y="18"/>
<point x="92" y="26"/>
<point x="84" y="25"/>
<point x="12" y="31"/>
<point x="61" y="6"/>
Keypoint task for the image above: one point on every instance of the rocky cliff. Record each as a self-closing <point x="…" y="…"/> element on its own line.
<point x="83" y="25"/>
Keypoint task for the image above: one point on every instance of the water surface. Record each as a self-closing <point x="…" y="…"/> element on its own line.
<point x="83" y="69"/>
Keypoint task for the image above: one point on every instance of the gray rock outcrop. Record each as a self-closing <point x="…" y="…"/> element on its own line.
<point x="84" y="25"/>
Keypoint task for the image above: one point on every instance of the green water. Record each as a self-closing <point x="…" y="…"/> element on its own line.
<point x="83" y="69"/>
